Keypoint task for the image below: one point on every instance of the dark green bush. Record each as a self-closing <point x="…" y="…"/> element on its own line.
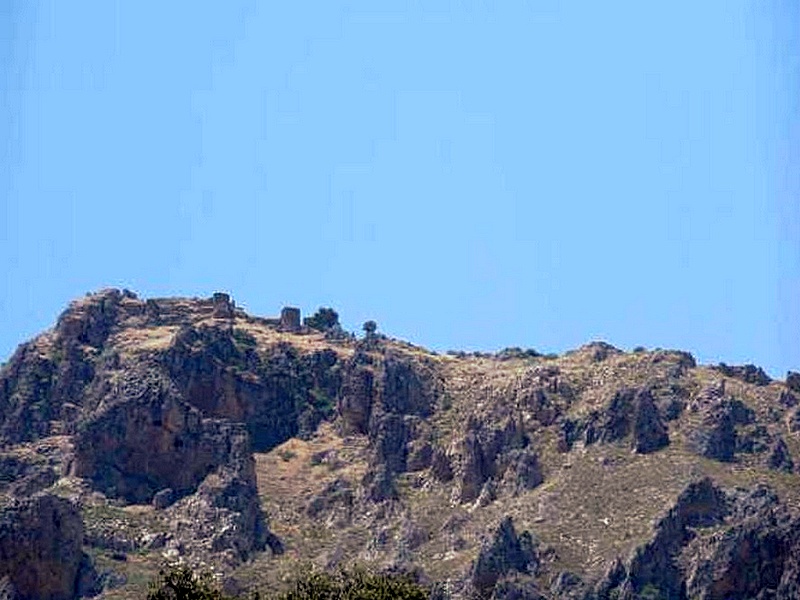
<point x="370" y="327"/>
<point x="180" y="583"/>
<point x="325" y="318"/>
<point x="244" y="338"/>
<point x="355" y="584"/>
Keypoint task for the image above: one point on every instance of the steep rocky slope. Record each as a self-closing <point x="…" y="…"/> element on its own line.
<point x="142" y="431"/>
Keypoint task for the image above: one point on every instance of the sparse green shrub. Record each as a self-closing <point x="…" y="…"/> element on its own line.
<point x="639" y="349"/>
<point x="355" y="584"/>
<point x="244" y="338"/>
<point x="287" y="455"/>
<point x="650" y="592"/>
<point x="322" y="401"/>
<point x="370" y="327"/>
<point x="516" y="352"/>
<point x="181" y="583"/>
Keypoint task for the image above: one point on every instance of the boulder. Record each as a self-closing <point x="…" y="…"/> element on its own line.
<point x="163" y="498"/>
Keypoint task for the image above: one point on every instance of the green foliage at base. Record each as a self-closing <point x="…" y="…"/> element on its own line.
<point x="325" y="318"/>
<point x="356" y="584"/>
<point x="180" y="583"/>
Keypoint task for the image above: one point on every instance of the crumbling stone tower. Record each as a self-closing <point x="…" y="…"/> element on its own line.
<point x="223" y="307"/>
<point x="290" y="318"/>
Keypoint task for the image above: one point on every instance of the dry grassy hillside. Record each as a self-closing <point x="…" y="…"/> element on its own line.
<point x="186" y="430"/>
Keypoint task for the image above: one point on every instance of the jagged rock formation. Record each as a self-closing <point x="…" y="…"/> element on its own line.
<point x="629" y="413"/>
<point x="507" y="553"/>
<point x="41" y="554"/>
<point x="713" y="545"/>
<point x="187" y="430"/>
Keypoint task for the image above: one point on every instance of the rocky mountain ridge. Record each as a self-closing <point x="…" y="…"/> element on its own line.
<point x="185" y="430"/>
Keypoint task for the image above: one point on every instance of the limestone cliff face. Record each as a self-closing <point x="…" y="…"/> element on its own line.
<point x="41" y="553"/>
<point x="187" y="430"/>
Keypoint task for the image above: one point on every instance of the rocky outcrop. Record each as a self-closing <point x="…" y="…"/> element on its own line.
<point x="474" y="468"/>
<point x="654" y="566"/>
<point x="713" y="545"/>
<point x="568" y="586"/>
<point x="599" y="351"/>
<point x="715" y="437"/>
<point x="25" y="387"/>
<point x="753" y="440"/>
<point x="390" y="436"/>
<point x="357" y="394"/>
<point x="90" y="320"/>
<point x="223" y="518"/>
<point x="337" y="494"/>
<point x="378" y="484"/>
<point x="793" y="381"/>
<point x="144" y="439"/>
<point x="146" y="444"/>
<point x="756" y="556"/>
<point x="278" y="394"/>
<point x="649" y="432"/>
<point x="41" y="552"/>
<point x="23" y="475"/>
<point x="406" y="395"/>
<point x="545" y="393"/>
<point x="630" y="412"/>
<point x="504" y="554"/>
<point x="747" y="373"/>
<point x="779" y="458"/>
<point x="524" y="472"/>
<point x="441" y="468"/>
<point x="407" y="387"/>
<point x="45" y="380"/>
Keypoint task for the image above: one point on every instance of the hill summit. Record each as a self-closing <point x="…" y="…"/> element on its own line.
<point x="186" y="430"/>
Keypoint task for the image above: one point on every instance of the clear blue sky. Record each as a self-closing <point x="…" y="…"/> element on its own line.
<point x="470" y="175"/>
